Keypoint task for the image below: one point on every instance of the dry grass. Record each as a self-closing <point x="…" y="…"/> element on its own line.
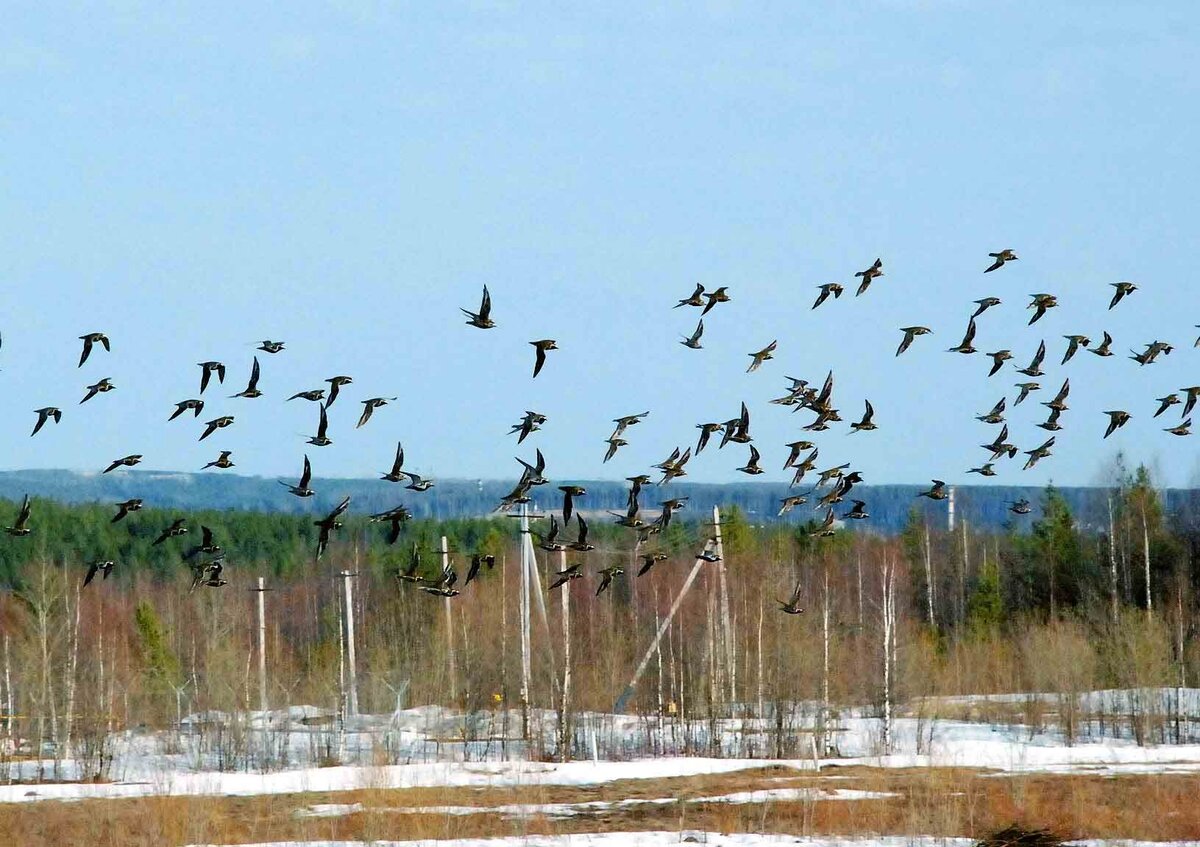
<point x="930" y="801"/>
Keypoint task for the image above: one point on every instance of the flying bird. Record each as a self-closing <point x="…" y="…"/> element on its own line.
<point x="216" y="423"/>
<point x="396" y="518"/>
<point x="222" y="461"/>
<point x="335" y="384"/>
<point x="320" y="439"/>
<point x="996" y="415"/>
<point x="315" y="396"/>
<point x="1123" y="290"/>
<point x="529" y="424"/>
<point x="649" y="560"/>
<point x="965" y="346"/>
<point x="369" y="406"/>
<point x="123" y="509"/>
<point x="786" y="504"/>
<point x="1074" y="342"/>
<point x="792" y="606"/>
<point x="574" y="571"/>
<point x="998" y="360"/>
<point x="207" y="369"/>
<point x="417" y="482"/>
<point x="1003" y="256"/>
<point x="1020" y="507"/>
<point x="124" y="461"/>
<point x="1103" y="348"/>
<point x="1116" y="420"/>
<point x="102" y="387"/>
<point x="251" y="390"/>
<point x="937" y="492"/>
<point x="301" y="489"/>
<point x="329" y="523"/>
<point x="869" y="275"/>
<point x="1025" y="387"/>
<point x="911" y="332"/>
<point x="1192" y="393"/>
<point x="1166" y="403"/>
<point x="752" y="467"/>
<point x="697" y="298"/>
<point x="196" y="406"/>
<point x="98" y="567"/>
<point x="694" y="341"/>
<point x="483" y="318"/>
<point x="986" y="470"/>
<point x="985" y="304"/>
<point x="570" y="492"/>
<point x="1184" y="428"/>
<point x="175" y="530"/>
<point x="625" y="422"/>
<point x="1040" y="303"/>
<point x="43" y="416"/>
<point x="20" y="526"/>
<point x="761" y="356"/>
<point x="395" y="474"/>
<point x="580" y="544"/>
<point x="614" y="444"/>
<point x="827" y="289"/>
<point x="89" y="340"/>
<point x="540" y="347"/>
<point x="606" y="577"/>
<point x="1038" y="453"/>
<point x="721" y="295"/>
<point x="269" y="346"/>
<point x="868" y="420"/>
<point x="858" y="511"/>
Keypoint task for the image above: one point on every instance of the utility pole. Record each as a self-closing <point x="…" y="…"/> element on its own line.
<point x="726" y="628"/>
<point x="564" y="727"/>
<point x="352" y="681"/>
<point x="525" y="646"/>
<point x="449" y="626"/>
<point x="262" y="645"/>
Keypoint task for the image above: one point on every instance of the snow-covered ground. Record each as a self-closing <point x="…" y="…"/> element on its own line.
<point x="711" y="839"/>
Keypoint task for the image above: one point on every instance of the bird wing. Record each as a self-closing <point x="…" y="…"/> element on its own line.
<point x="306" y="475"/>
<point x="485" y="306"/>
<point x="87" y="350"/>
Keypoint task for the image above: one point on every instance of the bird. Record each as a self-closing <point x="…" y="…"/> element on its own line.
<point x="858" y="511"/>
<point x="44" y="415"/>
<point x="222" y="461"/>
<point x="123" y="509"/>
<point x="176" y="529"/>
<point x="1005" y="255"/>
<point x="301" y="489"/>
<point x="1059" y="399"/>
<point x="251" y="390"/>
<point x="998" y="360"/>
<point x="417" y="482"/>
<point x="965" y="346"/>
<point x="396" y="517"/>
<point x="1103" y="348"/>
<point x="752" y="467"/>
<point x="937" y="492"/>
<point x="1123" y="289"/>
<point x="1051" y="423"/>
<point x="792" y="606"/>
<point x="1151" y="353"/>
<point x="1040" y="303"/>
<point x="124" y="461"/>
<point x="315" y="396"/>
<point x="196" y="406"/>
<point x="335" y="384"/>
<point x="721" y="295"/>
<point x="1038" y="453"/>
<point x="825" y="528"/>
<point x="1184" y="428"/>
<point x="706" y="432"/>
<point x="996" y="415"/>
<point x="626" y="421"/>
<point x="207" y="574"/>
<point x="1192" y="393"/>
<point x="89" y="340"/>
<point x="606" y="577"/>
<point x="761" y="356"/>
<point x="269" y="346"/>
<point x="580" y="544"/>
<point x="697" y="298"/>
<point x="614" y="444"/>
<point x="20" y="526"/>
<point x="549" y="541"/>
<point x="911" y="332"/>
<point x="320" y="439"/>
<point x="410" y="574"/>
<point x="985" y="304"/>
<point x="649" y="560"/>
<point x="1166" y="402"/>
<point x="216" y="423"/>
<point x="786" y="504"/>
<point x="483" y="318"/>
<point x="329" y="523"/>
<point x="98" y="567"/>
<point x="529" y="424"/>
<point x="1025" y="387"/>
<point x="395" y="474"/>
<point x="1000" y="446"/>
<point x="477" y="561"/>
<point x="570" y="492"/>
<point x="540" y="347"/>
<point x="574" y="571"/>
<point x="827" y="289"/>
<point x="1035" y="366"/>
<point x="796" y="447"/>
<point x="369" y="406"/>
<point x="868" y="420"/>
<point x="1074" y="342"/>
<point x="1116" y="420"/>
<point x="694" y="341"/>
<point x="102" y="387"/>
<point x="207" y="369"/>
<point x="737" y="429"/>
<point x="207" y="545"/>
<point x="869" y="276"/>
<point x="1020" y="507"/>
<point x="986" y="470"/>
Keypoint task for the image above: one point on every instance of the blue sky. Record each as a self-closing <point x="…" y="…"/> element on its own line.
<point x="192" y="178"/>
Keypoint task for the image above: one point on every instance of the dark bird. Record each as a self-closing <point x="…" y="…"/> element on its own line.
<point x="868" y="420"/>
<point x="1051" y="423"/>
<point x="792" y="606"/>
<point x="395" y="475"/>
<point x="102" y="387"/>
<point x="673" y="466"/>
<point x="207" y="369"/>
<point x="570" y="492"/>
<point x="752" y="467"/>
<point x="222" y="461"/>
<point x="98" y="567"/>
<point x="207" y="574"/>
<point x="483" y="318"/>
<point x="606" y="577"/>
<point x="1116" y="420"/>
<point x="796" y="447"/>
<point x="89" y="340"/>
<point x="329" y="523"/>
<point x="1059" y="401"/>
<point x="44" y="415"/>
<point x="1003" y="256"/>
<point x="414" y="565"/>
<point x="828" y="288"/>
<point x="477" y="561"/>
<point x="937" y="492"/>
<point x="416" y="482"/>
<point x="721" y="295"/>
<point x="1191" y="393"/>
<point x="335" y="384"/>
<point x="786" y="504"/>
<point x="625" y="422"/>
<point x="706" y="432"/>
<point x="369" y="406"/>
<point x="123" y="509"/>
<point x="184" y="405"/>
<point x="998" y="360"/>
<point x="574" y="571"/>
<point x="216" y="423"/>
<point x="301" y="489"/>
<point x="1184" y="428"/>
<point x="1040" y="303"/>
<point x="252" y="386"/>
<point x="269" y="346"/>
<point x="614" y="444"/>
<point x="911" y="332"/>
<point x="857" y="512"/>
<point x="206" y="547"/>
<point x="396" y="518"/>
<point x="985" y="304"/>
<point x="1025" y="387"/>
<point x="1103" y="348"/>
<point x="761" y="356"/>
<point x="126" y="461"/>
<point x="535" y="473"/>
<point x="580" y="544"/>
<point x="316" y="395"/>
<point x="825" y="528"/>
<point x="1020" y="507"/>
<point x="697" y="298"/>
<point x="738" y="429"/>
<point x="694" y="341"/>
<point x="529" y="424"/>
<point x="1166" y="403"/>
<point x="649" y="560"/>
<point x="1152" y="351"/>
<point x="1000" y="445"/>
<point x="1074" y="342"/>
<point x="321" y="439"/>
<point x="996" y="415"/>
<point x="986" y="470"/>
<point x="540" y="347"/>
<point x="1038" y="453"/>
<point x="869" y="275"/>
<point x="1123" y="289"/>
<point x="1035" y="366"/>
<point x="965" y="345"/>
<point x="20" y="526"/>
<point x="176" y="529"/>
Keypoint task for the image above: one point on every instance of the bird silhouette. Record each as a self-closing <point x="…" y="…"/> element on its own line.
<point x="606" y="577"/>
<point x="721" y="295"/>
<point x="124" y="461"/>
<point x="868" y="276"/>
<point x="123" y="509"/>
<point x="1035" y="365"/>
<point x="965" y="345"/>
<point x="697" y="298"/>
<point x="207" y="369"/>
<point x="216" y="423"/>
<point x="985" y="304"/>
<point x="269" y="346"/>
<point x="89" y="340"/>
<point x="335" y="385"/>
<point x="251" y="391"/>
<point x="222" y="461"/>
<point x="369" y="407"/>
<point x="1041" y="303"/>
<point x="792" y="606"/>
<point x="868" y="420"/>
<point x="761" y="356"/>
<point x="43" y="416"/>
<point x="540" y="347"/>
<point x="102" y="387"/>
<point x="396" y="474"/>
<point x="911" y="332"/>
<point x="1124" y="289"/>
<point x="98" y="567"/>
<point x="301" y="488"/>
<point x="20" y="527"/>
<point x="1116" y="420"/>
<point x="175" y="530"/>
<point x="196" y="406"/>
<point x="1003" y="256"/>
<point x="315" y="396"/>
<point x="483" y="318"/>
<point x="321" y="439"/>
<point x="329" y="523"/>
<point x="827" y="289"/>
<point x="937" y="492"/>
<point x="694" y="340"/>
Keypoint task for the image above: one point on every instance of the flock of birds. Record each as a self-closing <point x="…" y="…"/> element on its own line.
<point x="832" y="485"/>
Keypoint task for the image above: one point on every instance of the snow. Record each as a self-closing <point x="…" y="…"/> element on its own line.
<point x="710" y="839"/>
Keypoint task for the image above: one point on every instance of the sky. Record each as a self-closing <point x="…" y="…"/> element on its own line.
<point x="344" y="176"/>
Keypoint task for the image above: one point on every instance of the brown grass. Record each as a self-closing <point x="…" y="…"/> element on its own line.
<point x="938" y="801"/>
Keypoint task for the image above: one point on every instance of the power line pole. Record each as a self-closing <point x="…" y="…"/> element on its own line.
<point x="262" y="645"/>
<point x="726" y="627"/>
<point x="564" y="721"/>
<point x="352" y="669"/>
<point x="449" y="626"/>
<point x="525" y="646"/>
